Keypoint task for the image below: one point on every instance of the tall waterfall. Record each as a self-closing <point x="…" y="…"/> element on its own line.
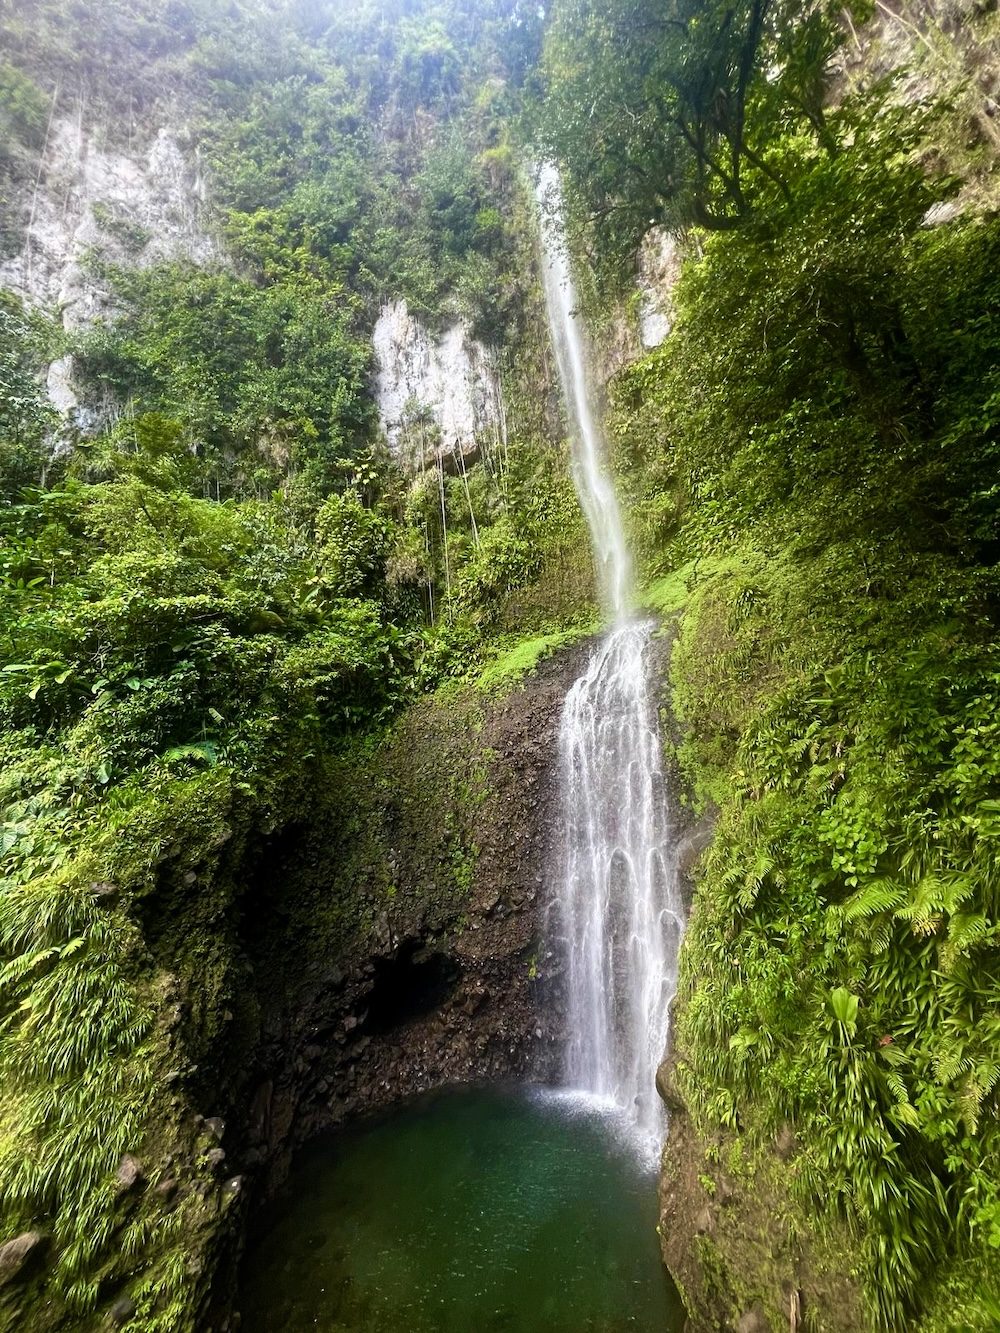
<point x="593" y="485"/>
<point x="619" y="906"/>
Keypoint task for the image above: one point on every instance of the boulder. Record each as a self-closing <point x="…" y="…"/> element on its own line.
<point x="17" y="1254"/>
<point x="130" y="1175"/>
<point x="752" y="1322"/>
<point x="122" y="1311"/>
<point x="785" y="1144"/>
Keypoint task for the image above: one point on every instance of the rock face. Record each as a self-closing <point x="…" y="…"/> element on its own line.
<point x="130" y="1174"/>
<point x="449" y="980"/>
<point x="136" y="208"/>
<point x="738" y="1242"/>
<point x="659" y="267"/>
<point x="938" y="49"/>
<point x="390" y="943"/>
<point x="433" y="392"/>
<point x="18" y="1254"/>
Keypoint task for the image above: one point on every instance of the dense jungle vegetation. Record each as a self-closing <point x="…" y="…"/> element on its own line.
<point x="811" y="462"/>
<point x="206" y="593"/>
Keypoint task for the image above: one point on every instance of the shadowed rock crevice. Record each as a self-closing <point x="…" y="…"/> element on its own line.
<point x="412" y="983"/>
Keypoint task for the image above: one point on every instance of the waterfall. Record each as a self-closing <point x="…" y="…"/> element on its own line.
<point x="593" y="485"/>
<point x="619" y="907"/>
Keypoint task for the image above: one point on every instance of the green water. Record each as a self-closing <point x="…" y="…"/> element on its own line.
<point x="467" y="1211"/>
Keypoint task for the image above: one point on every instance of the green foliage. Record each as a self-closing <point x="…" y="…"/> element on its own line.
<point x="841" y="686"/>
<point x="172" y="608"/>
<point x="24" y="110"/>
<point x="429" y="63"/>
<point x="354" y="545"/>
<point x="25" y="415"/>
<point x="24" y="117"/>
<point x="270" y="382"/>
<point x="808" y="461"/>
<point x="824" y="373"/>
<point x="686" y="113"/>
<point x="168" y="660"/>
<point x="74" y="1043"/>
<point x="841" y="965"/>
<point x="321" y="166"/>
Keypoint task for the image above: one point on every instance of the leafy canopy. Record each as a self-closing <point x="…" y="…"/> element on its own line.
<point x="680" y="111"/>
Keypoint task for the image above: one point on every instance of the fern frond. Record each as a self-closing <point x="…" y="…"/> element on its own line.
<point x="878" y="895"/>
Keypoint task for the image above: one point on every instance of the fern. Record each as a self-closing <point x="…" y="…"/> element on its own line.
<point x="875" y="897"/>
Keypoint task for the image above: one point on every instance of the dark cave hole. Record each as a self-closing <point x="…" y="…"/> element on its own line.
<point x="411" y="983"/>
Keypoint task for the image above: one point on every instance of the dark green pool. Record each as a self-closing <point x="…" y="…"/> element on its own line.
<point x="466" y="1211"/>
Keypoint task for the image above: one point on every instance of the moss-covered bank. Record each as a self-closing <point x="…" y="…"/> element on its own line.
<point x="832" y="1156"/>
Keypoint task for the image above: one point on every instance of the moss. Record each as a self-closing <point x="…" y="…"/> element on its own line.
<point x="756" y="1245"/>
<point x="669" y="594"/>
<point x="134" y="931"/>
<point x="510" y="668"/>
<point x="818" y="729"/>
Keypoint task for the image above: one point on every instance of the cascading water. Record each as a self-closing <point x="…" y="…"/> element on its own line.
<point x="593" y="485"/>
<point x="619" y="906"/>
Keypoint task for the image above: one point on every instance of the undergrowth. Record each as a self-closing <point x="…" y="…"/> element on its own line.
<point x="816" y="443"/>
<point x="840" y="971"/>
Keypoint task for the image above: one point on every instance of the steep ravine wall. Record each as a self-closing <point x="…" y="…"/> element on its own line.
<point x="98" y="201"/>
<point x="395" y="941"/>
<point x="737" y="1241"/>
<point x="385" y="940"/>
<point x="736" y="1236"/>
<point x="391" y="943"/>
<point x="745" y="1249"/>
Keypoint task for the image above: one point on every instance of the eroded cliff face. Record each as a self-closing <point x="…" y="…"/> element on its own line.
<point x="947" y="49"/>
<point x="659" y="267"/>
<point x="417" y="898"/>
<point x="395" y="943"/>
<point x="434" y="391"/>
<point x="94" y="205"/>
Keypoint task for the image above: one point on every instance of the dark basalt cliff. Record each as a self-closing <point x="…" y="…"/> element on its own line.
<point x="387" y="943"/>
<point x="395" y="943"/>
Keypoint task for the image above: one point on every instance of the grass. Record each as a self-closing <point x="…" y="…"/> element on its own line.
<point x="669" y="594"/>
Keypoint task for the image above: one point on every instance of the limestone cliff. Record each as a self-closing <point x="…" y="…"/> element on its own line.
<point x="448" y="381"/>
<point x="95" y="204"/>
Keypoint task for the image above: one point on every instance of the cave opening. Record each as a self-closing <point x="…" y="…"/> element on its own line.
<point x="413" y="982"/>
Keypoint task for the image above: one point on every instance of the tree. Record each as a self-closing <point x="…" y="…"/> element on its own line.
<point x="25" y="415"/>
<point x="673" y="111"/>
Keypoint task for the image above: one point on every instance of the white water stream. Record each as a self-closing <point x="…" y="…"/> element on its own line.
<point x="593" y="485"/>
<point x="619" y="904"/>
